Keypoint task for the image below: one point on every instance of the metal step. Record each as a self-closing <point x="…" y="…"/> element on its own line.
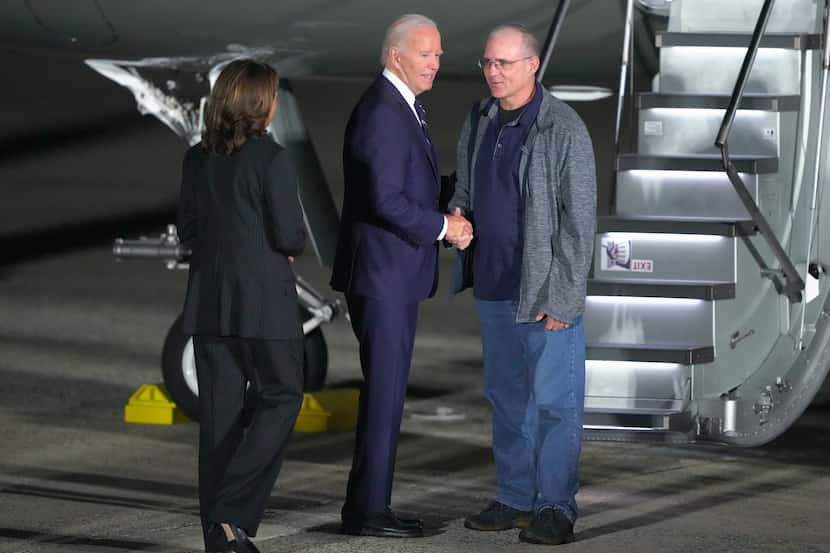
<point x="680" y="354"/>
<point x="692" y="188"/>
<point x="739" y="16"/>
<point x="636" y="387"/>
<point x="659" y="257"/>
<point x="674" y="226"/>
<point x="760" y="102"/>
<point x="681" y="127"/>
<point x="708" y="63"/>
<point x="656" y="321"/>
<point x="634" y="434"/>
<point x="681" y="195"/>
<point x="654" y="288"/>
<point x="631" y="405"/>
<point x="778" y="41"/>
<point x="744" y="164"/>
<point x="665" y="252"/>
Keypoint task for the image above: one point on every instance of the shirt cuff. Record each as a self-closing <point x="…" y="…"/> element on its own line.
<point x="443" y="231"/>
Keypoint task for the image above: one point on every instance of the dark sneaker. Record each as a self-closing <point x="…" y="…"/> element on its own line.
<point x="549" y="527"/>
<point x="498" y="516"/>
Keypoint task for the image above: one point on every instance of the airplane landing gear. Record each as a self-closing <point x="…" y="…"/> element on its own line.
<point x="178" y="367"/>
<point x="178" y="364"/>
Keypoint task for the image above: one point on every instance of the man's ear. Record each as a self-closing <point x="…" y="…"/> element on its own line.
<point x="394" y="54"/>
<point x="534" y="64"/>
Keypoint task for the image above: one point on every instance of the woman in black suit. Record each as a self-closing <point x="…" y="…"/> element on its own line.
<point x="240" y="214"/>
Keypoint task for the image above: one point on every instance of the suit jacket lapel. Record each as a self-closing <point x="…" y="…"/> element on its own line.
<point x="415" y="127"/>
<point x="414" y="124"/>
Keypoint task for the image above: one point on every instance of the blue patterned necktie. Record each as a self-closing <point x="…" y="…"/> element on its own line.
<point x="422" y="117"/>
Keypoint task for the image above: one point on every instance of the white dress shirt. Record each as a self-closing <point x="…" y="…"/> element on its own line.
<point x="409" y="97"/>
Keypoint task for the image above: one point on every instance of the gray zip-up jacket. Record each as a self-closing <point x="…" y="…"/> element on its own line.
<point x="557" y="176"/>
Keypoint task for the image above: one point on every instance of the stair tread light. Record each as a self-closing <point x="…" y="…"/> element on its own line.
<point x="580" y="93"/>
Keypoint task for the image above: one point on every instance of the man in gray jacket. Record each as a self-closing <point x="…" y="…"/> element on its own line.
<point x="526" y="179"/>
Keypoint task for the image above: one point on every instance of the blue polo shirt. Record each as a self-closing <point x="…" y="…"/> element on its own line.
<point x="497" y="255"/>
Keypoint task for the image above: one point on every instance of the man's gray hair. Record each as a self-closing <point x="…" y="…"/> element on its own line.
<point x="530" y="44"/>
<point x="397" y="31"/>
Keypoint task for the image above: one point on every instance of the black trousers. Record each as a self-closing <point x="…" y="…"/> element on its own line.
<point x="243" y="434"/>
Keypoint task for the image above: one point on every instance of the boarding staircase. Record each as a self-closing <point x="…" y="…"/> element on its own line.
<point x="689" y="334"/>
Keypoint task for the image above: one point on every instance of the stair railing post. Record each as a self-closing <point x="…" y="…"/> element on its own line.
<point x="743" y="75"/>
<point x="815" y="199"/>
<point x="626" y="59"/>
<point x="551" y="38"/>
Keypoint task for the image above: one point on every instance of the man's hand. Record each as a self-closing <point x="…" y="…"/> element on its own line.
<point x="459" y="230"/>
<point x="550" y="322"/>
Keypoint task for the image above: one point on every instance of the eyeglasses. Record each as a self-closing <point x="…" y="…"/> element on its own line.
<point x="498" y="64"/>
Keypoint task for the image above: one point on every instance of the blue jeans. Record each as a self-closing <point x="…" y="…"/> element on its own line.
<point x="535" y="382"/>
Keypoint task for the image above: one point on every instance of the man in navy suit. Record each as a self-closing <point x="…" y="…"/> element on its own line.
<point x="387" y="257"/>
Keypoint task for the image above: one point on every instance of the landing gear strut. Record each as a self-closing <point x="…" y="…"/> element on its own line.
<point x="178" y="364"/>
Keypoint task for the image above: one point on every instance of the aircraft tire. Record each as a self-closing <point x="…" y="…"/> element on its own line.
<point x="176" y="356"/>
<point x="315" y="361"/>
<point x="177" y="360"/>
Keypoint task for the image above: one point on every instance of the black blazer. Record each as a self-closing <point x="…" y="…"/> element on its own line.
<point x="241" y="216"/>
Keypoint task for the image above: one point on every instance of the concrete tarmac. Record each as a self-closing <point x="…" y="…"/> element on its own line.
<point x="80" y="332"/>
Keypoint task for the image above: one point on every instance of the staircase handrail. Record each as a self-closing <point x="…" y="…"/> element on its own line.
<point x="626" y="60"/>
<point x="793" y="283"/>
<point x="553" y="35"/>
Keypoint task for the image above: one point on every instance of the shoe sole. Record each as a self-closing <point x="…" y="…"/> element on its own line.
<point x="533" y="539"/>
<point x="380" y="533"/>
<point x="480" y="528"/>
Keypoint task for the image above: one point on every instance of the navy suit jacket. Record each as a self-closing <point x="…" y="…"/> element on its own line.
<point x="390" y="221"/>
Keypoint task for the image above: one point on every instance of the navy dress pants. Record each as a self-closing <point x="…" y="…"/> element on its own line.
<point x="385" y="330"/>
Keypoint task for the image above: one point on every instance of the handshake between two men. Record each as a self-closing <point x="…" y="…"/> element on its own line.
<point x="459" y="230"/>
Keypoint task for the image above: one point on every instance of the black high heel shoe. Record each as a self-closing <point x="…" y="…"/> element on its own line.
<point x="240" y="543"/>
<point x="217" y="542"/>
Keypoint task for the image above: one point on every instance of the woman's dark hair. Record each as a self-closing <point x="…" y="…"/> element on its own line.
<point x="238" y="105"/>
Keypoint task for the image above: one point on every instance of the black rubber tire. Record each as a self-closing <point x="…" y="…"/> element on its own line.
<point x="315" y="361"/>
<point x="315" y="366"/>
